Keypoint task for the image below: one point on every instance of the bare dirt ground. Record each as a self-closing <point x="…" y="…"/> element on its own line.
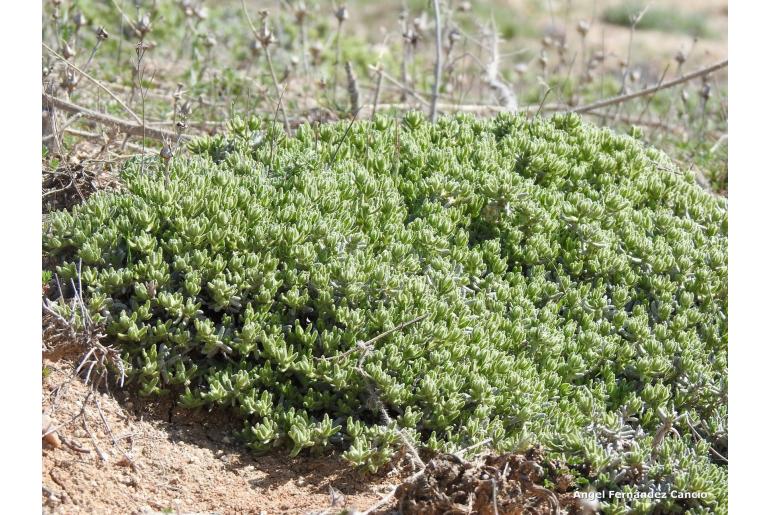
<point x="117" y="453"/>
<point x="648" y="45"/>
<point x="147" y="457"/>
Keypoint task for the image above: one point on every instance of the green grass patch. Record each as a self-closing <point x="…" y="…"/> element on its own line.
<point x="659" y="18"/>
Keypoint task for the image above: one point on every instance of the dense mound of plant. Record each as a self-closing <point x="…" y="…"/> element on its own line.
<point x="569" y="286"/>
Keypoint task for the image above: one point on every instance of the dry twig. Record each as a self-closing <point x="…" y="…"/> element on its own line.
<point x="437" y="66"/>
<point x="127" y="127"/>
<point x="654" y="89"/>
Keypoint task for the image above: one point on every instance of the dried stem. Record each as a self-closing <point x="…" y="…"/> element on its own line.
<point x="352" y="87"/>
<point x="98" y="83"/>
<point x="377" y="90"/>
<point x="437" y="66"/>
<point x="130" y="128"/>
<point x="491" y="72"/>
<point x="624" y="98"/>
<point x="266" y="45"/>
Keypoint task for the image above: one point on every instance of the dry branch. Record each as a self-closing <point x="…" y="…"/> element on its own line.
<point x="125" y="126"/>
<point x="491" y="75"/>
<point x="654" y="89"/>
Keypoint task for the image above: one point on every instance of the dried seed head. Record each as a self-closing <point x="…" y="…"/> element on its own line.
<point x="67" y="51"/>
<point x="636" y="75"/>
<point x="421" y="24"/>
<point x="102" y="34"/>
<point x="187" y="7"/>
<point x="300" y="12"/>
<point x="316" y="50"/>
<point x="201" y="13"/>
<point x="141" y="48"/>
<point x="166" y="153"/>
<point x="265" y="35"/>
<point x="583" y="27"/>
<point x="680" y="57"/>
<point x="143" y="25"/>
<point x="179" y="91"/>
<point x="186" y="109"/>
<point x="341" y="13"/>
<point x="255" y="47"/>
<point x="411" y="36"/>
<point x="56" y="3"/>
<point x="543" y="60"/>
<point x="705" y="91"/>
<point x="547" y="42"/>
<point x="209" y="41"/>
<point x="464" y="7"/>
<point x="152" y="287"/>
<point x="454" y="36"/>
<point x="69" y="81"/>
<point x="79" y="20"/>
<point x="182" y="126"/>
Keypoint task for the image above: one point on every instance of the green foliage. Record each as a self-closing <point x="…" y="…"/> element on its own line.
<point x="658" y="18"/>
<point x="574" y="282"/>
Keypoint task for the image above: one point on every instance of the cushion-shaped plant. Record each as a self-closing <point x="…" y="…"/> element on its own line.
<point x="523" y="281"/>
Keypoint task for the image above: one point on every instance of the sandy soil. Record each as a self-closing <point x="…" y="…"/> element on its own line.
<point x="147" y="457"/>
<point x="647" y="44"/>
